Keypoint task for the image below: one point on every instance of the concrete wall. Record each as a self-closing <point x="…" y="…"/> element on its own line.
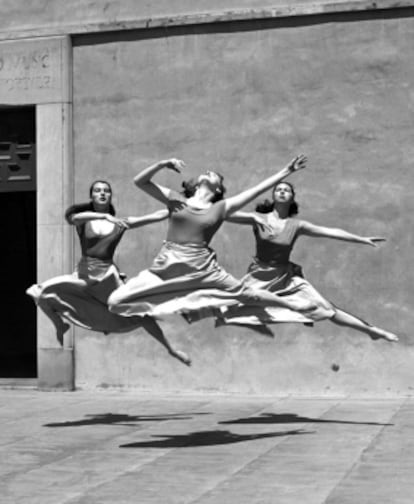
<point x="243" y="99"/>
<point x="46" y="15"/>
<point x="59" y="17"/>
<point x="27" y="15"/>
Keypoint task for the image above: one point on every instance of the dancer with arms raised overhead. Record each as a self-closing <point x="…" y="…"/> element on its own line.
<point x="185" y="275"/>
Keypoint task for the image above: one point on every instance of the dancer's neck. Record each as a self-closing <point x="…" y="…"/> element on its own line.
<point x="280" y="212"/>
<point x="201" y="198"/>
<point x="101" y="208"/>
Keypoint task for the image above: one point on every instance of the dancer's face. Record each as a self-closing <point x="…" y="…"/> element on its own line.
<point x="212" y="179"/>
<point x="101" y="194"/>
<point x="283" y="193"/>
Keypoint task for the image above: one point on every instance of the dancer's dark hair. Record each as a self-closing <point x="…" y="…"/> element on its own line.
<point x="88" y="207"/>
<point x="190" y="186"/>
<point x="99" y="182"/>
<point x="268" y="206"/>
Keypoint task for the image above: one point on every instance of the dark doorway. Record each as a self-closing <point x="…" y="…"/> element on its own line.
<point x="18" y="245"/>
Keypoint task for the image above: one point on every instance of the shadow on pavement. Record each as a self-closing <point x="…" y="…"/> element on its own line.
<point x="121" y="419"/>
<point x="285" y="418"/>
<point x="207" y="438"/>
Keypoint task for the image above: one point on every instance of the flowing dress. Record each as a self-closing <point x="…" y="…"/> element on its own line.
<point x="185" y="275"/>
<point x="81" y="298"/>
<point x="272" y="270"/>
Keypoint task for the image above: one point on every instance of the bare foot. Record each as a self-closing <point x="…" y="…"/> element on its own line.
<point x="34" y="291"/>
<point x="60" y="331"/>
<point x="378" y="333"/>
<point x="181" y="356"/>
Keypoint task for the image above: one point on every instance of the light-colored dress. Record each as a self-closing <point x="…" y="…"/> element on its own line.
<point x="272" y="270"/>
<point x="185" y="275"/>
<point x="81" y="298"/>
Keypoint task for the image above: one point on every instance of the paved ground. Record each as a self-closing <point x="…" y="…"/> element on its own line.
<point x="115" y="448"/>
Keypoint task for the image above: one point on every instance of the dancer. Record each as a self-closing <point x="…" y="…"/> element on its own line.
<point x="185" y="275"/>
<point x="81" y="298"/>
<point x="272" y="269"/>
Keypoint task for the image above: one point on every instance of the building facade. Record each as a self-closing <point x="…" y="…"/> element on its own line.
<point x="94" y="90"/>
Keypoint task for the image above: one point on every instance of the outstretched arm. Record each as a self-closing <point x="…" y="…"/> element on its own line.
<point x="249" y="218"/>
<point x="241" y="218"/>
<point x="135" y="222"/>
<point x="234" y="203"/>
<point x="157" y="191"/>
<point x="80" y="218"/>
<point x="309" y="229"/>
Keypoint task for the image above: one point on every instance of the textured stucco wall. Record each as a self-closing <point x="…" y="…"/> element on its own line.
<point x="23" y="19"/>
<point x="24" y="15"/>
<point x="244" y="100"/>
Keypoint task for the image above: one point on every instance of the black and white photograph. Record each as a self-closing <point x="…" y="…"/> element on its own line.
<point x="207" y="221"/>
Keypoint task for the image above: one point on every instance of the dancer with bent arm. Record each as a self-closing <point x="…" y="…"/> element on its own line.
<point x="185" y="275"/>
<point x="272" y="269"/>
<point x="81" y="298"/>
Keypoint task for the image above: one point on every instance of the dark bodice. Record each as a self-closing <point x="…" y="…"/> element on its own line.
<point x="100" y="247"/>
<point x="192" y="225"/>
<point x="275" y="247"/>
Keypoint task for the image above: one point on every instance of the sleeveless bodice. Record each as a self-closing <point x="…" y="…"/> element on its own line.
<point x="274" y="247"/>
<point x="192" y="225"/>
<point x="97" y="246"/>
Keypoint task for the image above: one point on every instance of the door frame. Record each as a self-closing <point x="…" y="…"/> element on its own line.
<point x="38" y="72"/>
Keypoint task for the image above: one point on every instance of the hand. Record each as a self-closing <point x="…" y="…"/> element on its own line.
<point x="122" y="223"/>
<point x="373" y="240"/>
<point x="173" y="164"/>
<point x="298" y="163"/>
<point x="176" y="205"/>
<point x="262" y="224"/>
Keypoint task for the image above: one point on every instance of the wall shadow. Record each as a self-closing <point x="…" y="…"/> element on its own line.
<point x="286" y="418"/>
<point x="207" y="438"/>
<point x="244" y="25"/>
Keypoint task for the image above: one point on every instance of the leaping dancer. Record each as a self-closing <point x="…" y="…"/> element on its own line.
<point x="81" y="298"/>
<point x="185" y="275"/>
<point x="273" y="271"/>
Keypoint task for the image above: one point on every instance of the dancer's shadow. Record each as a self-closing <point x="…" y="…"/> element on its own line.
<point x="207" y="438"/>
<point x="121" y="419"/>
<point x="287" y="418"/>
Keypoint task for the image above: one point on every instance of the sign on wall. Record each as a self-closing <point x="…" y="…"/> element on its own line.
<point x="34" y="71"/>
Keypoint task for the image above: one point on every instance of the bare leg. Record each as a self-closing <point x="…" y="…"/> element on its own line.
<point x="343" y="318"/>
<point x="156" y="332"/>
<point x="60" y="325"/>
<point x="36" y="291"/>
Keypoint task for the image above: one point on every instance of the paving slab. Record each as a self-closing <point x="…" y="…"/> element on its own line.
<point x="106" y="447"/>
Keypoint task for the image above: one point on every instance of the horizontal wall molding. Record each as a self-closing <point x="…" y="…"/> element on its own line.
<point x="221" y="16"/>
